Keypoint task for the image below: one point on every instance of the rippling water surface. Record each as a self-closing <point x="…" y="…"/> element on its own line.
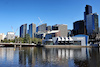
<point x="49" y="57"/>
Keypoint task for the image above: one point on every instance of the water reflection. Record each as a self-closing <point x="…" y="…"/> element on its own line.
<point x="49" y="57"/>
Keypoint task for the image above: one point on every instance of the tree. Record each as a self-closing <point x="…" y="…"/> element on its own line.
<point x="27" y="38"/>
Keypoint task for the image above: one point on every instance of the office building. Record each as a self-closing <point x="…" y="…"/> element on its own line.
<point x="79" y="27"/>
<point x="23" y="30"/>
<point x="91" y="20"/>
<point x="62" y="29"/>
<point x="92" y="23"/>
<point x="42" y="28"/>
<point x="32" y="30"/>
<point x="10" y="36"/>
<point x="48" y="28"/>
<point x="88" y="10"/>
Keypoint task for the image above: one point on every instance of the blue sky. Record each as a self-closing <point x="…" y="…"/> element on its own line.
<point x="17" y="12"/>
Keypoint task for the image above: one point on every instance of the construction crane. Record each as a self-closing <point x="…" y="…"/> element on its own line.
<point x="41" y="21"/>
<point x="15" y="31"/>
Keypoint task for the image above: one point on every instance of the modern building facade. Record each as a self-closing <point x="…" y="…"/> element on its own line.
<point x="88" y="10"/>
<point x="62" y="29"/>
<point x="10" y="35"/>
<point x="32" y="30"/>
<point x="79" y="27"/>
<point x="92" y="23"/>
<point x="42" y="28"/>
<point x="23" y="30"/>
<point x="91" y="20"/>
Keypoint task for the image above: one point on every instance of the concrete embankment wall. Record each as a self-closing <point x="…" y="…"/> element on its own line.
<point x="66" y="46"/>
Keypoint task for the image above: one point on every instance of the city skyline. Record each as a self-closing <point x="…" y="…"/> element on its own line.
<point x="60" y="12"/>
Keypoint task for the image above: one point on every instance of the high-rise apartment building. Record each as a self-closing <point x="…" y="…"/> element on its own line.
<point x="23" y="30"/>
<point x="32" y="30"/>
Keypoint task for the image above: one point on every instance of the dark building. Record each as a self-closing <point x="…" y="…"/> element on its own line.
<point x="48" y="28"/>
<point x="91" y="20"/>
<point x="88" y="10"/>
<point x="36" y="29"/>
<point x="55" y="27"/>
<point x="23" y="30"/>
<point x="79" y="27"/>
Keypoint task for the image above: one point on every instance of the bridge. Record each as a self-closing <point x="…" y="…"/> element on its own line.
<point x="17" y="44"/>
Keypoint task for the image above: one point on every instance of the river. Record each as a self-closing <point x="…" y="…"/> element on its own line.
<point x="49" y="57"/>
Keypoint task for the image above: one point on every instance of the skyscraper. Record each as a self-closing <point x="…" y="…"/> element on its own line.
<point x="91" y="20"/>
<point x="23" y="30"/>
<point x="92" y="23"/>
<point x="32" y="30"/>
<point x="88" y="10"/>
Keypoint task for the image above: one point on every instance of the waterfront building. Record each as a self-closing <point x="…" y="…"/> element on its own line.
<point x="32" y="30"/>
<point x="10" y="36"/>
<point x="2" y="36"/>
<point x="51" y="34"/>
<point x="91" y="20"/>
<point x="79" y="27"/>
<point x="23" y="30"/>
<point x="42" y="28"/>
<point x="92" y="23"/>
<point x="62" y="29"/>
<point x="75" y="40"/>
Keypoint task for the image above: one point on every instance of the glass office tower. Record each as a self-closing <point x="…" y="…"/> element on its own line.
<point x="32" y="30"/>
<point x="92" y="23"/>
<point x="23" y="30"/>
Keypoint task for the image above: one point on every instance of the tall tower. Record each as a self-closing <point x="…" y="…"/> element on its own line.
<point x="88" y="10"/>
<point x="92" y="23"/>
<point x="23" y="30"/>
<point x="32" y="30"/>
<point x="91" y="20"/>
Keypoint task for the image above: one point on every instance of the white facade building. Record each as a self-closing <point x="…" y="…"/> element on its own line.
<point x="10" y="35"/>
<point x="2" y="36"/>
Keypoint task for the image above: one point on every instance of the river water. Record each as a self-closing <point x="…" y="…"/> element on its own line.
<point x="49" y="57"/>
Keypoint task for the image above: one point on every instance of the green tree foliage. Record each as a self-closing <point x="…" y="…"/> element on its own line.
<point x="26" y="39"/>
